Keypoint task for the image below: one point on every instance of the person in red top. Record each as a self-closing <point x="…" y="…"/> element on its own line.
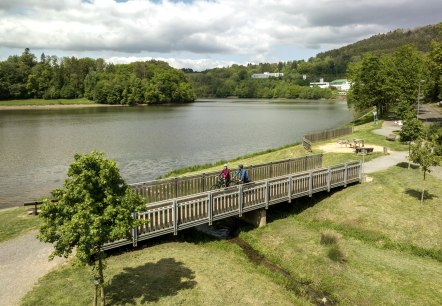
<point x="225" y="173"/>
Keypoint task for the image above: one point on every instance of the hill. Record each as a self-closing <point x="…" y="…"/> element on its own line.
<point x="385" y="43"/>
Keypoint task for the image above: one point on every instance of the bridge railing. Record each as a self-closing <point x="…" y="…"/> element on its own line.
<point x="164" y="189"/>
<point x="172" y="215"/>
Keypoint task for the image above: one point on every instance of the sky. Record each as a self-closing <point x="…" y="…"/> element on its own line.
<point x="201" y="34"/>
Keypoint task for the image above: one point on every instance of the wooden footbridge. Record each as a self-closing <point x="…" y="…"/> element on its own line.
<point x="180" y="203"/>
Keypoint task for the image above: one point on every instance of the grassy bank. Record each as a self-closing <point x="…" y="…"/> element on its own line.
<point x="45" y="102"/>
<point x="384" y="248"/>
<point x="15" y="222"/>
<point x="174" y="273"/>
<point x="387" y="247"/>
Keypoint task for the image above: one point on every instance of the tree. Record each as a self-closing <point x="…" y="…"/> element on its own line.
<point x="422" y="153"/>
<point x="94" y="207"/>
<point x="411" y="130"/>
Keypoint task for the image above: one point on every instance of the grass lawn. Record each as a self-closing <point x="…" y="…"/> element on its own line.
<point x="15" y="222"/>
<point x="174" y="273"/>
<point x="45" y="102"/>
<point x="389" y="248"/>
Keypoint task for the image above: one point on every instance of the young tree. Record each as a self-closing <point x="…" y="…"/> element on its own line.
<point x="411" y="130"/>
<point x="94" y="206"/>
<point x="422" y="153"/>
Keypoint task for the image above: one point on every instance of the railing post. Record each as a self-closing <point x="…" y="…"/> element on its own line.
<point x="290" y="188"/>
<point x="361" y="173"/>
<point x="175" y="217"/>
<point x="310" y="184"/>
<point x="290" y="166"/>
<point x="135" y="231"/>
<point x="203" y="182"/>
<point x="241" y="199"/>
<point x="270" y="169"/>
<point x="176" y="187"/>
<point x="267" y="194"/>
<point x="329" y="179"/>
<point x="209" y="208"/>
<point x="345" y="175"/>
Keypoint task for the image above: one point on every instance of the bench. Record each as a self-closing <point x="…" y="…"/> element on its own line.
<point x="34" y="210"/>
<point x="364" y="150"/>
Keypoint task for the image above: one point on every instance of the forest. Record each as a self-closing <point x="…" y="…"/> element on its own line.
<point x="151" y="82"/>
<point x="236" y="80"/>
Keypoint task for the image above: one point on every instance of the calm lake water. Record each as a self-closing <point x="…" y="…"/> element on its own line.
<point x="36" y="146"/>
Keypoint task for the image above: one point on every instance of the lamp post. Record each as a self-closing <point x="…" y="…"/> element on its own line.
<point x="419" y="98"/>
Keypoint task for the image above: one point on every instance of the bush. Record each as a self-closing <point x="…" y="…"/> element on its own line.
<point x="329" y="237"/>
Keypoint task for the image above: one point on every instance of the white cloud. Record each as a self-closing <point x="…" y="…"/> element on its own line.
<point x="195" y="64"/>
<point x="205" y="28"/>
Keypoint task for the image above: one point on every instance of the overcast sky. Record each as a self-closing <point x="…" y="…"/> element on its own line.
<point x="201" y="34"/>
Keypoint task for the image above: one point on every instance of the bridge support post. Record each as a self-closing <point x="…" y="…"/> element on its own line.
<point x="310" y="184"/>
<point x="345" y="175"/>
<point x="135" y="231"/>
<point x="257" y="218"/>
<point x="267" y="194"/>
<point x="209" y="208"/>
<point x="329" y="179"/>
<point x="241" y="199"/>
<point x="290" y="188"/>
<point x="175" y="217"/>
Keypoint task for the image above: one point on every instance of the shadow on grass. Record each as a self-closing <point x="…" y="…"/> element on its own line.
<point x="418" y="194"/>
<point x="149" y="282"/>
<point x="405" y="165"/>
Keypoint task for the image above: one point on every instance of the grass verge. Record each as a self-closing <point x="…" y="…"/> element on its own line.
<point x="45" y="102"/>
<point x="174" y="273"/>
<point x="15" y="222"/>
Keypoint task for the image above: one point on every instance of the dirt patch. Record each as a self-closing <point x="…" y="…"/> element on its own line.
<point x="335" y="147"/>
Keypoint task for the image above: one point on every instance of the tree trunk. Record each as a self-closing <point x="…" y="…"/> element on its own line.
<point x="423" y="190"/>
<point x="101" y="278"/>
<point x="409" y="151"/>
<point x="94" y="303"/>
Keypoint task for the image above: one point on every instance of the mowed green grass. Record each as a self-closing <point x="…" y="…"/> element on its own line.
<point x="391" y="244"/>
<point x="174" y="273"/>
<point x="15" y="222"/>
<point x="389" y="253"/>
<point x="45" y="102"/>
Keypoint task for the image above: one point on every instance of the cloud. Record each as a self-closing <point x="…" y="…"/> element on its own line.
<point x="204" y="28"/>
<point x="195" y="64"/>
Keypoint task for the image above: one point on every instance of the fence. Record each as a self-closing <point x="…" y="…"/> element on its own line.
<point x="308" y="139"/>
<point x="165" y="189"/>
<point x="176" y="214"/>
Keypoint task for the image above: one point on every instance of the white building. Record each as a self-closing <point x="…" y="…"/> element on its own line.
<point x="267" y="75"/>
<point x="341" y="84"/>
<point x="320" y="84"/>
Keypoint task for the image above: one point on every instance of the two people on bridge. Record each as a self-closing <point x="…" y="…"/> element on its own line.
<point x="240" y="175"/>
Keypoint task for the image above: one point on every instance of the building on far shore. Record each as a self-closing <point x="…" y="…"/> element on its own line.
<point x="267" y="75"/>
<point x="320" y="84"/>
<point x="341" y="84"/>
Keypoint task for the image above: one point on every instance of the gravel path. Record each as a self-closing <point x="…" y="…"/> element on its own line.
<point x="22" y="262"/>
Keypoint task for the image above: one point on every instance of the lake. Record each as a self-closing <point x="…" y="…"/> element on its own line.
<point x="36" y="146"/>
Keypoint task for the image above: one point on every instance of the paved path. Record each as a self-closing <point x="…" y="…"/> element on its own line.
<point x="22" y="262"/>
<point x="430" y="113"/>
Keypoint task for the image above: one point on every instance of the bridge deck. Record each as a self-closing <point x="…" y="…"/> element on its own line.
<point x="175" y="214"/>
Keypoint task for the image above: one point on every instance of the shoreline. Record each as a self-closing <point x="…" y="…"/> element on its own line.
<point x="55" y="106"/>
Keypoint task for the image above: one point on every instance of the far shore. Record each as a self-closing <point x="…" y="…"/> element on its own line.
<point x="56" y="106"/>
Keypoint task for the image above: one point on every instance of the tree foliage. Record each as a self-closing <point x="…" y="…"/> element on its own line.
<point x="94" y="207"/>
<point x="152" y="81"/>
